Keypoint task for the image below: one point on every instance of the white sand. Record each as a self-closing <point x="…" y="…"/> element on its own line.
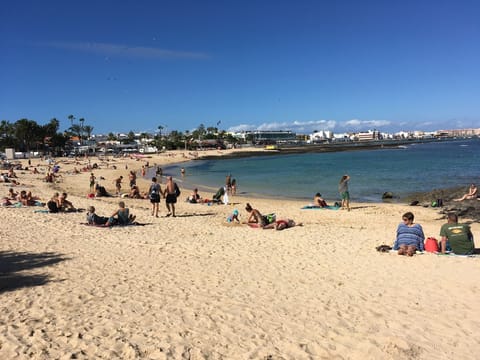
<point x="197" y="287"/>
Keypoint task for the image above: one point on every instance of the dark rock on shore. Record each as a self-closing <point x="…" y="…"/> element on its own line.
<point x="464" y="209"/>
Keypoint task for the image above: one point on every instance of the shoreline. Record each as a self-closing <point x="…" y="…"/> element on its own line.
<point x="178" y="157"/>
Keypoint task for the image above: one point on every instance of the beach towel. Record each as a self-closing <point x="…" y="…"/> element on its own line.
<point x="451" y="254"/>
<point x="315" y="207"/>
<point x="114" y="225"/>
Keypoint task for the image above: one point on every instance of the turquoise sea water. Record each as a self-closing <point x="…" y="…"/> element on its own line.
<point x="402" y="170"/>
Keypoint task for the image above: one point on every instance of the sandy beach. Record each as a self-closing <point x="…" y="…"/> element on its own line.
<point x="198" y="287"/>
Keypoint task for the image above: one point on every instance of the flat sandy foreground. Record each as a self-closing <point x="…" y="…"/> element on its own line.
<point x="197" y="287"/>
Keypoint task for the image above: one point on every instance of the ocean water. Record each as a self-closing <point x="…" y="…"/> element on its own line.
<point x="402" y="170"/>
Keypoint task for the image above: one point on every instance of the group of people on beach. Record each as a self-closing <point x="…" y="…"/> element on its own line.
<point x="455" y="237"/>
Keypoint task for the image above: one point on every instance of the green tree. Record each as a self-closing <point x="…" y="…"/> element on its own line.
<point x="160" y="128"/>
<point x="130" y="138"/>
<point x="111" y="137"/>
<point x="88" y="130"/>
<point x="52" y="127"/>
<point x="28" y="133"/>
<point x="7" y="135"/>
<point x="76" y="130"/>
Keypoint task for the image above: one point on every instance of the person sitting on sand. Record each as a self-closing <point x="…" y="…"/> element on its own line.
<point x="319" y="201"/>
<point x="135" y="193"/>
<point x="64" y="204"/>
<point x="255" y="217"/>
<point x="26" y="198"/>
<point x="11" y="173"/>
<point x="282" y="224"/>
<point x="94" y="219"/>
<point x="195" y="197"/>
<point x="12" y="195"/>
<point x="472" y="194"/>
<point x="459" y="236"/>
<point x="100" y="191"/>
<point x="410" y="237"/>
<point x="53" y="204"/>
<point x="121" y="216"/>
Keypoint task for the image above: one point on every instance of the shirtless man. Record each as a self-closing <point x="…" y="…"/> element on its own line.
<point x="118" y="185"/>
<point x="170" y="196"/>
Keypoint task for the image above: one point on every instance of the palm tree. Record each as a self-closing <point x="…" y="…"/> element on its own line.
<point x="71" y="118"/>
<point x="89" y="130"/>
<point x="76" y="129"/>
<point x="81" y="121"/>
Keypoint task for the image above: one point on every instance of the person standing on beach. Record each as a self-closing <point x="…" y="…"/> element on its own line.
<point x="228" y="182"/>
<point x="118" y="185"/>
<point x="133" y="178"/>
<point x="171" y="196"/>
<point x="344" y="193"/>
<point x="154" y="195"/>
<point x="92" y="183"/>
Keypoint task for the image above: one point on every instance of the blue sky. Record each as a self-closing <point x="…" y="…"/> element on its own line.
<point x="292" y="65"/>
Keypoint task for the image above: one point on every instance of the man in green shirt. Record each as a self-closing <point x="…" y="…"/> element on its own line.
<point x="459" y="236"/>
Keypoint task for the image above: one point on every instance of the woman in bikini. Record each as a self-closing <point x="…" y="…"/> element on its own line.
<point x="255" y="217"/>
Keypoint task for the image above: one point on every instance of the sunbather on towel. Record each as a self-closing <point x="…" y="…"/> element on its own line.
<point x="282" y="224"/>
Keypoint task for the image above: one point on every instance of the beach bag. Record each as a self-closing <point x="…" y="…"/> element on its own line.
<point x="177" y="190"/>
<point x="431" y="245"/>
<point x="270" y="218"/>
<point x="154" y="195"/>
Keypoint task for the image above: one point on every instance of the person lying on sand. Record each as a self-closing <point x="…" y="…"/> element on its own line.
<point x="282" y="224"/>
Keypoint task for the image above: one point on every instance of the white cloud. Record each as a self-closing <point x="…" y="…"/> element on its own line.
<point x="125" y="51"/>
<point x="356" y="124"/>
<point x="295" y="126"/>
